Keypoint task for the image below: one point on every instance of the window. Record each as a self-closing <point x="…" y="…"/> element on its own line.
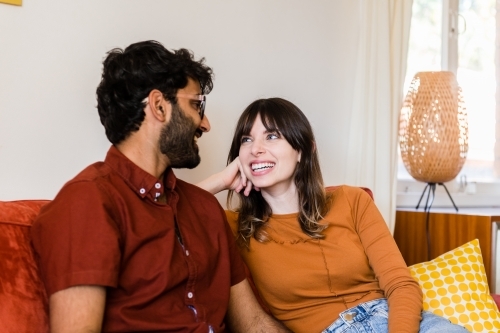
<point x="459" y="36"/>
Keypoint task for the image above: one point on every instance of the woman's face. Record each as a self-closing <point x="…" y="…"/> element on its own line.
<point x="268" y="160"/>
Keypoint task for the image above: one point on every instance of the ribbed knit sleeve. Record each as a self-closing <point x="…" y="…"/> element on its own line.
<point x="401" y="290"/>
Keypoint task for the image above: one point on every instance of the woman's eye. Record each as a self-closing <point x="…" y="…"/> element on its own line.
<point x="245" y="139"/>
<point x="273" y="136"/>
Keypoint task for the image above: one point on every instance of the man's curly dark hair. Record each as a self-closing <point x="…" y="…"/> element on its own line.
<point x="129" y="75"/>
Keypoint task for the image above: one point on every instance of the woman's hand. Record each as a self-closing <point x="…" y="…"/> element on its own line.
<point x="235" y="179"/>
<point x="231" y="178"/>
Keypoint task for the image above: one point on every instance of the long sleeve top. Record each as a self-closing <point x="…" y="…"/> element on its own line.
<point x="306" y="283"/>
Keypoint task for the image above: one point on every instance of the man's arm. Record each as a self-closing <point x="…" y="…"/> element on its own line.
<point x="77" y="309"/>
<point x="245" y="314"/>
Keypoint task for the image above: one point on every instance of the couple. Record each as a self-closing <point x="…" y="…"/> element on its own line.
<point x="127" y="247"/>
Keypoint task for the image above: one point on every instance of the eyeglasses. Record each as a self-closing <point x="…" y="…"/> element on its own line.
<point x="193" y="97"/>
<point x="201" y="98"/>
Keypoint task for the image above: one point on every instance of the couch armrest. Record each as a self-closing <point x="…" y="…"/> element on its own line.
<point x="23" y="300"/>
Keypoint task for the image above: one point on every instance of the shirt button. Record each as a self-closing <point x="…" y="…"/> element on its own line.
<point x="190" y="295"/>
<point x="157" y="185"/>
<point x="142" y="191"/>
<point x="187" y="252"/>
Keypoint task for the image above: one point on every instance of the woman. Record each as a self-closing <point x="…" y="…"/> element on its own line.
<point x="322" y="261"/>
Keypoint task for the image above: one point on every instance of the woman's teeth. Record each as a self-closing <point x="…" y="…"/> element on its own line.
<point x="262" y="166"/>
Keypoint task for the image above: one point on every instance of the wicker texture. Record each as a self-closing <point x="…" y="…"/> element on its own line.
<point x="433" y="130"/>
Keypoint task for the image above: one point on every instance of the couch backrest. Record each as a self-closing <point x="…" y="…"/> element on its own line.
<point x="23" y="300"/>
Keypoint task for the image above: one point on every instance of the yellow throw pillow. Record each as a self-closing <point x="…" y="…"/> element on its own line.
<point x="455" y="287"/>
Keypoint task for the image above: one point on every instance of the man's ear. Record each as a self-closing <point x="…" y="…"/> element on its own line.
<point x="159" y="106"/>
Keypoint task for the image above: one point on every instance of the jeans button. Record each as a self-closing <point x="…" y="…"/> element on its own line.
<point x="350" y="316"/>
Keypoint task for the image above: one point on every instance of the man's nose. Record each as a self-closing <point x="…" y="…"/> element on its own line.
<point x="205" y="124"/>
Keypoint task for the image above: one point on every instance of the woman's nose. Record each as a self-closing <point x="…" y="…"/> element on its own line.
<point x="258" y="148"/>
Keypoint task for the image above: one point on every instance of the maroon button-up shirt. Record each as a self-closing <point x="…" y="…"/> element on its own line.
<point x="106" y="228"/>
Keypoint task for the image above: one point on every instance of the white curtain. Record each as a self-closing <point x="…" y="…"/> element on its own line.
<point x="378" y="93"/>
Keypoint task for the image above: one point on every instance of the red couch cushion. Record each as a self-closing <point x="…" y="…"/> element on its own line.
<point x="23" y="300"/>
<point x="496" y="298"/>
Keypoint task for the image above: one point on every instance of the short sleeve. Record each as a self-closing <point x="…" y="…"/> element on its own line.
<point x="76" y="239"/>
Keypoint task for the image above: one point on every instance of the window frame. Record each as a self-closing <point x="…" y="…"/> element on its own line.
<point x="464" y="193"/>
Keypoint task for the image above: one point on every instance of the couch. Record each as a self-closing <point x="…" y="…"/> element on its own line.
<point x="23" y="300"/>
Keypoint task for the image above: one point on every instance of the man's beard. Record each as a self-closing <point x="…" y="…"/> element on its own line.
<point x="177" y="140"/>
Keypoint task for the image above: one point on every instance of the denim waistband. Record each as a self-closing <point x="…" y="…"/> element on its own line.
<point x="357" y="313"/>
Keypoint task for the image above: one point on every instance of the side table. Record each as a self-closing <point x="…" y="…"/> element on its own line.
<point x="448" y="230"/>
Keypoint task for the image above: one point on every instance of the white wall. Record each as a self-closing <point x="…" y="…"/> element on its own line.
<point x="50" y="65"/>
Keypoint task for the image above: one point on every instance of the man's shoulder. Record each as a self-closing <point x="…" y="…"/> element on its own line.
<point x="90" y="182"/>
<point x="96" y="174"/>
<point x="86" y="193"/>
<point x="201" y="203"/>
<point x="197" y="192"/>
<point x="91" y="173"/>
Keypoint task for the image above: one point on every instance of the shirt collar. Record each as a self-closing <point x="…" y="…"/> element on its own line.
<point x="141" y="182"/>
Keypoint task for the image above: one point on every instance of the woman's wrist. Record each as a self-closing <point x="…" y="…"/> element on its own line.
<point x="213" y="184"/>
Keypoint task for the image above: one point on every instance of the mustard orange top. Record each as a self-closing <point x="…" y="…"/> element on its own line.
<point x="306" y="283"/>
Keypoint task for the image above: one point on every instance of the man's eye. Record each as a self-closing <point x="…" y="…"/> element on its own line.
<point x="197" y="105"/>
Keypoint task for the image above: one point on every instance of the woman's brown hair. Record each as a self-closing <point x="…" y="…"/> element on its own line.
<point x="284" y="117"/>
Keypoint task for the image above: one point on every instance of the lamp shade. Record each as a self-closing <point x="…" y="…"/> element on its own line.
<point x="433" y="129"/>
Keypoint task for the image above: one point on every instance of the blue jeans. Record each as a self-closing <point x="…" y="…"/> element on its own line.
<point x="371" y="317"/>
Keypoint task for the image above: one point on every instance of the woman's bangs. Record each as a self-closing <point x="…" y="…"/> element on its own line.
<point x="269" y="121"/>
<point x="247" y="124"/>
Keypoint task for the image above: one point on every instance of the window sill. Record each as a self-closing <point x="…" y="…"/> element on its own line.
<point x="475" y="194"/>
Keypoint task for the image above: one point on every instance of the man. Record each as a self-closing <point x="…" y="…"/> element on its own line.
<point x="127" y="247"/>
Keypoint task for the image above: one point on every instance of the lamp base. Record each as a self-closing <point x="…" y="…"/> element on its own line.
<point x="431" y="187"/>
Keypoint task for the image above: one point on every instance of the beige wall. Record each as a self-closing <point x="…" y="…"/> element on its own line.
<point x="50" y="64"/>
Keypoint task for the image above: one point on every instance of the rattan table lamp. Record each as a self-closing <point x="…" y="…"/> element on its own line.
<point x="433" y="131"/>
